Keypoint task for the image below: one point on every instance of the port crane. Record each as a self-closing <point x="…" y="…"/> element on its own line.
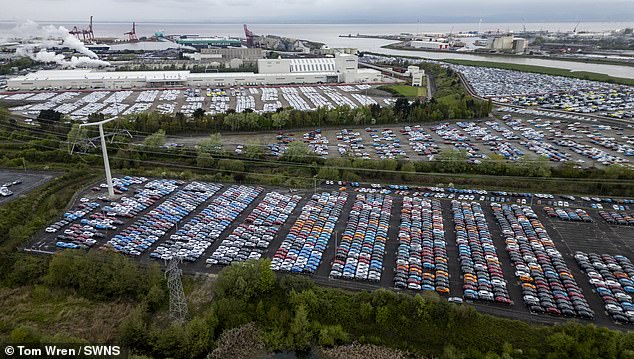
<point x="132" y="34"/>
<point x="250" y="36"/>
<point x="86" y="34"/>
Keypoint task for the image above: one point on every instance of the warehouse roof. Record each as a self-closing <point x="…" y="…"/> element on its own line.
<point x="150" y="76"/>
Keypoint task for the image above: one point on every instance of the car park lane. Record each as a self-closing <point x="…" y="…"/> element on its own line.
<point x="303" y="247"/>
<point x="611" y="277"/>
<point x="362" y="247"/>
<point x="548" y="284"/>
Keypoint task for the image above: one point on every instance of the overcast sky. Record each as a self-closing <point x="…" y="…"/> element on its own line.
<point x="326" y="11"/>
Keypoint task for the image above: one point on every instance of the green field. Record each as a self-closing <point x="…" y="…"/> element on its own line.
<point x="593" y="76"/>
<point x="407" y="91"/>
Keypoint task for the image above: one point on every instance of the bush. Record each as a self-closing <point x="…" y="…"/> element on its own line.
<point x="103" y="275"/>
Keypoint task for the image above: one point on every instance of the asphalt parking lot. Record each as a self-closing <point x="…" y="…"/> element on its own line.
<point x="552" y="92"/>
<point x="78" y="105"/>
<point x="597" y="236"/>
<point x="508" y="135"/>
<point x="29" y="181"/>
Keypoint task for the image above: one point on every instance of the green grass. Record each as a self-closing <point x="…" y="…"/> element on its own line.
<point x="407" y="91"/>
<point x="53" y="311"/>
<point x="593" y="76"/>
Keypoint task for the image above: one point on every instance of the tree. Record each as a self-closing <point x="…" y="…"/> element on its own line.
<point x="245" y="280"/>
<point x="280" y="119"/>
<point x="297" y="152"/>
<point x="453" y="161"/>
<point x="300" y="329"/>
<point x="54" y="122"/>
<point x="205" y="160"/>
<point x="75" y="137"/>
<point x="5" y="117"/>
<point x="233" y="119"/>
<point x="211" y="145"/>
<point x="329" y="173"/>
<point x="254" y="150"/>
<point x="155" y="140"/>
<point x="199" y="335"/>
<point x="231" y="166"/>
<point x="134" y="330"/>
<point x="331" y="335"/>
<point x="408" y="171"/>
<point x="198" y="113"/>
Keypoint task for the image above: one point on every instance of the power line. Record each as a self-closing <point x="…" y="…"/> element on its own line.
<point x="178" y="304"/>
<point x="295" y="164"/>
<point x="302" y="164"/>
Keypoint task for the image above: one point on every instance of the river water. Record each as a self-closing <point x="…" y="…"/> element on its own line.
<point x="329" y="34"/>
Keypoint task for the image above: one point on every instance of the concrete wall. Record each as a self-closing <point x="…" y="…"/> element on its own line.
<point x="274" y="66"/>
<point x="235" y="53"/>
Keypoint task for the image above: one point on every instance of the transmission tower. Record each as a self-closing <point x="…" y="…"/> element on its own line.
<point x="178" y="305"/>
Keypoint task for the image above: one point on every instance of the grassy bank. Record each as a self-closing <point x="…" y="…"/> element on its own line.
<point x="593" y="76"/>
<point x="405" y="90"/>
<point x="516" y="56"/>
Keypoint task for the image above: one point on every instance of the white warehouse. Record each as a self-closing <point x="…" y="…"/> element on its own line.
<point x="343" y="68"/>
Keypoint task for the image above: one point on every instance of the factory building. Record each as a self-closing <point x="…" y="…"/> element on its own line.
<point x="232" y="57"/>
<point x="229" y="53"/>
<point x="501" y="43"/>
<point x="507" y="43"/>
<point x="343" y="68"/>
<point x="332" y="51"/>
<point x="430" y="45"/>
<point x="417" y="75"/>
<point x="204" y="43"/>
<point x="520" y="45"/>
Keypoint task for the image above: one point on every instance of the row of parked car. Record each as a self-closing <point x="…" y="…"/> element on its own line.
<point x="78" y="212"/>
<point x="420" y="141"/>
<point x="85" y="233"/>
<point x="611" y="277"/>
<point x="317" y="142"/>
<point x="421" y="262"/>
<point x="148" y="229"/>
<point x="568" y="214"/>
<point x="620" y="218"/>
<point x="130" y="207"/>
<point x="4" y="188"/>
<point x="304" y="245"/>
<point x="251" y="238"/>
<point x="479" y="262"/>
<point x="195" y="236"/>
<point x="78" y="236"/>
<point x="547" y="283"/>
<point x="360" y="253"/>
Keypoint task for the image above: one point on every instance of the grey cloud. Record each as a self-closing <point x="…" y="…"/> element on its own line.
<point x="293" y="11"/>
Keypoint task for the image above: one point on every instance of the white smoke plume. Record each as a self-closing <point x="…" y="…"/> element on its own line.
<point x="44" y="37"/>
<point x="50" y="57"/>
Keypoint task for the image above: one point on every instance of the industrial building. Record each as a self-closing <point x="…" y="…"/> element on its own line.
<point x="232" y="57"/>
<point x="507" y="43"/>
<point x="430" y="45"/>
<point x="204" y="42"/>
<point x="342" y="68"/>
<point x="417" y="75"/>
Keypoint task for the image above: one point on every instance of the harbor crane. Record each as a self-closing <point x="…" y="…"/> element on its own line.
<point x="132" y="34"/>
<point x="86" y="34"/>
<point x="250" y="36"/>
